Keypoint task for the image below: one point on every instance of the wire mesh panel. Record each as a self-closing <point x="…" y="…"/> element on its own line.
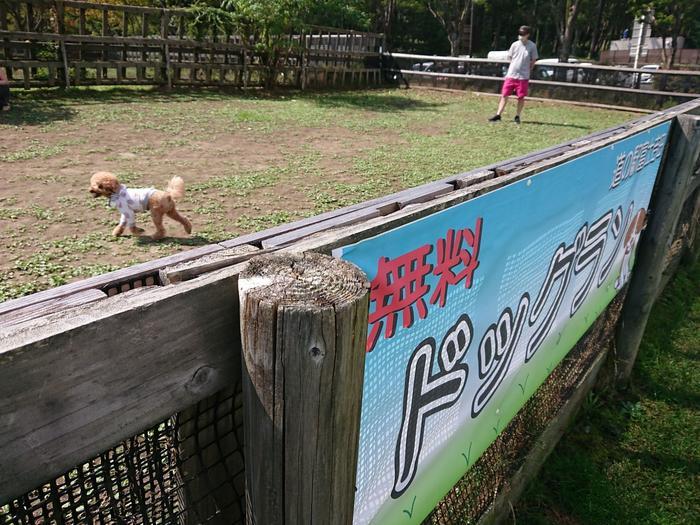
<point x="491" y="473"/>
<point x="188" y="469"/>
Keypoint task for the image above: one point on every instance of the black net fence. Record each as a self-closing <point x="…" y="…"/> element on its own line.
<point x="187" y="469"/>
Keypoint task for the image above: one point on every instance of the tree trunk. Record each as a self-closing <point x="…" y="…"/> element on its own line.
<point x="595" y="36"/>
<point x="674" y="35"/>
<point x="388" y="15"/>
<point x="568" y="34"/>
<point x="454" y="39"/>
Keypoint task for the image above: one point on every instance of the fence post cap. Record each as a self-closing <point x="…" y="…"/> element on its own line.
<point x="309" y="279"/>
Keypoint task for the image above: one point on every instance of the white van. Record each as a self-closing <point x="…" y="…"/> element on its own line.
<point x="497" y="55"/>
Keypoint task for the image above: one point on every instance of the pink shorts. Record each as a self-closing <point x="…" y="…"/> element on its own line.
<point x="514" y="85"/>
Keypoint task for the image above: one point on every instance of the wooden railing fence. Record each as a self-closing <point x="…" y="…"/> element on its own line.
<point x="65" y="42"/>
<point x="88" y="365"/>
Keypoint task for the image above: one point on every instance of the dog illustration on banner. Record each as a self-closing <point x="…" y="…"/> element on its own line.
<point x="634" y="230"/>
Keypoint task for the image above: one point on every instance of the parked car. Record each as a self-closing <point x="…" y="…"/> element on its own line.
<point x="497" y="55"/>
<point x="548" y="73"/>
<point x="423" y="66"/>
<point x="648" y="78"/>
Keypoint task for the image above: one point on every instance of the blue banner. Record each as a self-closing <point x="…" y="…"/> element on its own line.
<point x="471" y="308"/>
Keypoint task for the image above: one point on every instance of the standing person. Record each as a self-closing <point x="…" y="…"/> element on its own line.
<point x="4" y="90"/>
<point x="522" y="55"/>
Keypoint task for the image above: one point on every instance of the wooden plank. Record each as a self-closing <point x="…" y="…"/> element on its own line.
<point x="343" y="220"/>
<point x="75" y="383"/>
<point x="105" y="48"/>
<point x="665" y="208"/>
<point x="111" y="7"/>
<point x="98" y="40"/>
<point x="6" y="48"/>
<point x="471" y="179"/>
<point x="185" y="271"/>
<point x="107" y="279"/>
<point x="395" y="200"/>
<point x="40" y="309"/>
<point x="66" y="69"/>
<point x="303" y="327"/>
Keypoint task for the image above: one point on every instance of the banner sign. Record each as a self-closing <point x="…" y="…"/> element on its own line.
<point x="471" y="308"/>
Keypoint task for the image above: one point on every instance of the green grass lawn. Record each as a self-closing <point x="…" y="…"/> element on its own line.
<point x="634" y="458"/>
<point x="250" y="161"/>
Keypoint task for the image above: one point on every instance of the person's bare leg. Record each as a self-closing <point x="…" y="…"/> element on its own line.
<point x="521" y="105"/>
<point x="502" y="105"/>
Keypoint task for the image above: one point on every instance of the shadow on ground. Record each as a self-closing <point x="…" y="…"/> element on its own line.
<point x="557" y="124"/>
<point x="36" y="113"/>
<point x="175" y="241"/>
<point x="374" y="102"/>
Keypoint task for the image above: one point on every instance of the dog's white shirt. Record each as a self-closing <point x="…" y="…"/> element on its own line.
<point x="129" y="202"/>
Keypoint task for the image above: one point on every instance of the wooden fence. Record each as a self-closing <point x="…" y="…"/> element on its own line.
<point x="64" y="43"/>
<point x="622" y="86"/>
<point x="121" y="394"/>
<point x="684" y="57"/>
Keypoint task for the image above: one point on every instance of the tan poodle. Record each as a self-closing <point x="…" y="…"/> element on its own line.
<point x="132" y="201"/>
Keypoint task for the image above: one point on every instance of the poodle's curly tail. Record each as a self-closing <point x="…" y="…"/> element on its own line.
<point x="176" y="188"/>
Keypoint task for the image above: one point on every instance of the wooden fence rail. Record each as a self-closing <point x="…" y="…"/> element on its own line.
<point x="87" y="365"/>
<point x="52" y="44"/>
<point x="594" y="83"/>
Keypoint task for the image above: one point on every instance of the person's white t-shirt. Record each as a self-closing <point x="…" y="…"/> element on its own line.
<point x="521" y="56"/>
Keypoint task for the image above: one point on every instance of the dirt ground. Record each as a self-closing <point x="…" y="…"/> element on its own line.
<point x="249" y="162"/>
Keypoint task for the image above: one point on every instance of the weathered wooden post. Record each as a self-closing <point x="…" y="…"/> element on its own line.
<point x="665" y="208"/>
<point x="303" y="331"/>
<point x="164" y="34"/>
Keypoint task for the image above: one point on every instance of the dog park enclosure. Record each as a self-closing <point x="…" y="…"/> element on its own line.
<point x="50" y="43"/>
<point x="123" y="397"/>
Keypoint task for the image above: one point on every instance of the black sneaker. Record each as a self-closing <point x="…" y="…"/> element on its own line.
<point x="516" y="119"/>
<point x="495" y="118"/>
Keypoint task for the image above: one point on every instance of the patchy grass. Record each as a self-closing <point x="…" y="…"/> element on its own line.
<point x="635" y="457"/>
<point x="250" y="161"/>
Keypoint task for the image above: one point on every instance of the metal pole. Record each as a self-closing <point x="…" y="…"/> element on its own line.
<point x="640" y="40"/>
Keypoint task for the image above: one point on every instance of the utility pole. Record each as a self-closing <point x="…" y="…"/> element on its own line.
<point x="640" y="40"/>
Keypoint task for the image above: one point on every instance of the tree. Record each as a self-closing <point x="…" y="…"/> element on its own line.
<point x="565" y="13"/>
<point x="453" y="16"/>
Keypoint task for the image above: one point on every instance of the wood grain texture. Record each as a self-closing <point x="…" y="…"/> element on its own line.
<point x="671" y="191"/>
<point x="303" y="330"/>
<point x="187" y="270"/>
<point x="40" y="309"/>
<point x="107" y="279"/>
<point x="74" y="384"/>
